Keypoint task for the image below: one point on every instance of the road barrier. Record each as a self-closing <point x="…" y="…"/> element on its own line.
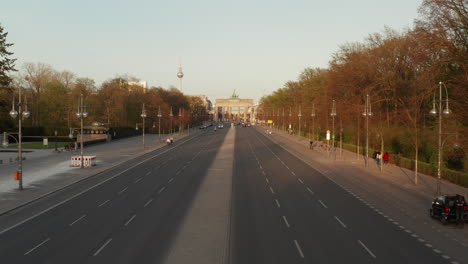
<point x="88" y="161"/>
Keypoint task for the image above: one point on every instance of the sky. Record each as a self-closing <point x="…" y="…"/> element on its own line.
<point x="252" y="46"/>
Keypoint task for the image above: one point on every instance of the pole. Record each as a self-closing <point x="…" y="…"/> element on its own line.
<point x="367" y="130"/>
<point x="439" y="191"/>
<point x="20" y="147"/>
<point x="143" y="132"/>
<point x="81" y="134"/>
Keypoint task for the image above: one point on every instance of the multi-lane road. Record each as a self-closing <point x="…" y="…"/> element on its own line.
<point x="281" y="211"/>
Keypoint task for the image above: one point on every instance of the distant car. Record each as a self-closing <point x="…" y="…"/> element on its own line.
<point x="248" y="124"/>
<point x="445" y="207"/>
<point x="220" y="126"/>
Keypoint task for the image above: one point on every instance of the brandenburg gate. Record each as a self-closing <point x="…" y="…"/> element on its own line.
<point x="234" y="108"/>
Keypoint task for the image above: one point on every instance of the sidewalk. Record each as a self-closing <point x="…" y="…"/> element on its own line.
<point x="45" y="171"/>
<point x="392" y="191"/>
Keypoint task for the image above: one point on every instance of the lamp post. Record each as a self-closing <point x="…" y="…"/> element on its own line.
<point x="312" y="114"/>
<point x="434" y="112"/>
<point x="367" y="113"/>
<point x="171" y="115"/>
<point x="333" y="114"/>
<point x="143" y="116"/>
<point x="159" y="122"/>
<point x="81" y="114"/>
<point x="20" y="114"/>
<point x="299" y="115"/>
<point x="55" y="133"/>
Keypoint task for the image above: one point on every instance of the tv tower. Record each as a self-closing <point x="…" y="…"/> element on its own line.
<point x="180" y="75"/>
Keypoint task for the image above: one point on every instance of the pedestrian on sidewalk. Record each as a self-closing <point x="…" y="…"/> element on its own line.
<point x="386" y="157"/>
<point x="378" y="158"/>
<point x="311" y="144"/>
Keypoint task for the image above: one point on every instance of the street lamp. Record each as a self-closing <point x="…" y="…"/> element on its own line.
<point x="367" y="113"/>
<point x="434" y="112"/>
<point x="333" y="114"/>
<point x="143" y="116"/>
<point x="159" y="122"/>
<point x="81" y="114"/>
<point x="55" y="133"/>
<point x="171" y="115"/>
<point x="299" y="115"/>
<point x="20" y="114"/>
<point x="312" y="114"/>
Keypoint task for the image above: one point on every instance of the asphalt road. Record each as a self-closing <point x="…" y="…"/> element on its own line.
<point x="283" y="211"/>
<point x="129" y="218"/>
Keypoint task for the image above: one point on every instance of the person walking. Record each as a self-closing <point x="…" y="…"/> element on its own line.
<point x="311" y="144"/>
<point x="386" y="157"/>
<point x="378" y="158"/>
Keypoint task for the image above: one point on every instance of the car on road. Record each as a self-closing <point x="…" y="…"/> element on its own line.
<point x="445" y="208"/>
<point x="220" y="126"/>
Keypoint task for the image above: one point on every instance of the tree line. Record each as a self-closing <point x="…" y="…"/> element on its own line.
<point x="402" y="72"/>
<point x="53" y="97"/>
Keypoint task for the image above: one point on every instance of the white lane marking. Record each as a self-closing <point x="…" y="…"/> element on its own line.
<point x="178" y="172"/>
<point x="445" y="257"/>
<point x="339" y="221"/>
<point x="266" y="179"/>
<point x="299" y="248"/>
<point x="137" y="180"/>
<point x="171" y="179"/>
<point x="103" y="203"/>
<point x="94" y="186"/>
<point x="300" y="180"/>
<point x="287" y="167"/>
<point x="102" y="247"/>
<point x="148" y="173"/>
<point x="292" y="172"/>
<point x="77" y="220"/>
<point x="34" y="248"/>
<point x="455" y="262"/>
<point x="148" y="202"/>
<point x="308" y="189"/>
<point x="123" y="190"/>
<point x="277" y="203"/>
<point x="271" y="189"/>
<point x="162" y="189"/>
<point x="263" y="172"/>
<point x="421" y="240"/>
<point x="437" y="251"/>
<point x="286" y="221"/>
<point x="320" y="201"/>
<point x="130" y="220"/>
<point x="428" y="245"/>
<point x="367" y="249"/>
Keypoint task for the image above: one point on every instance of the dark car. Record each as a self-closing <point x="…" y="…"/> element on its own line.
<point x="446" y="208"/>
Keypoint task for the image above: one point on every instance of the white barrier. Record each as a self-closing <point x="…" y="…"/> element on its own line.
<point x="88" y="161"/>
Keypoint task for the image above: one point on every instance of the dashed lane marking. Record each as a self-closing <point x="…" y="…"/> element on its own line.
<point x="339" y="221"/>
<point x="309" y="190"/>
<point x="130" y="220"/>
<point x="277" y="203"/>
<point x="171" y="179"/>
<point x="137" y="180"/>
<point x="161" y="190"/>
<point x="298" y="247"/>
<point x="300" y="180"/>
<point x="148" y="202"/>
<point x="271" y="190"/>
<point x="103" y="203"/>
<point x="102" y="247"/>
<point x="34" y="248"/>
<point x="286" y="221"/>
<point x="77" y="220"/>
<point x="367" y="249"/>
<point x="123" y="190"/>
<point x="320" y="201"/>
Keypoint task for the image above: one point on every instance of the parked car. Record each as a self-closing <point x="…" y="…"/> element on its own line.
<point x="445" y="208"/>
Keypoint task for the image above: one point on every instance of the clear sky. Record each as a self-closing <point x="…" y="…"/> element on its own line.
<point x="253" y="46"/>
